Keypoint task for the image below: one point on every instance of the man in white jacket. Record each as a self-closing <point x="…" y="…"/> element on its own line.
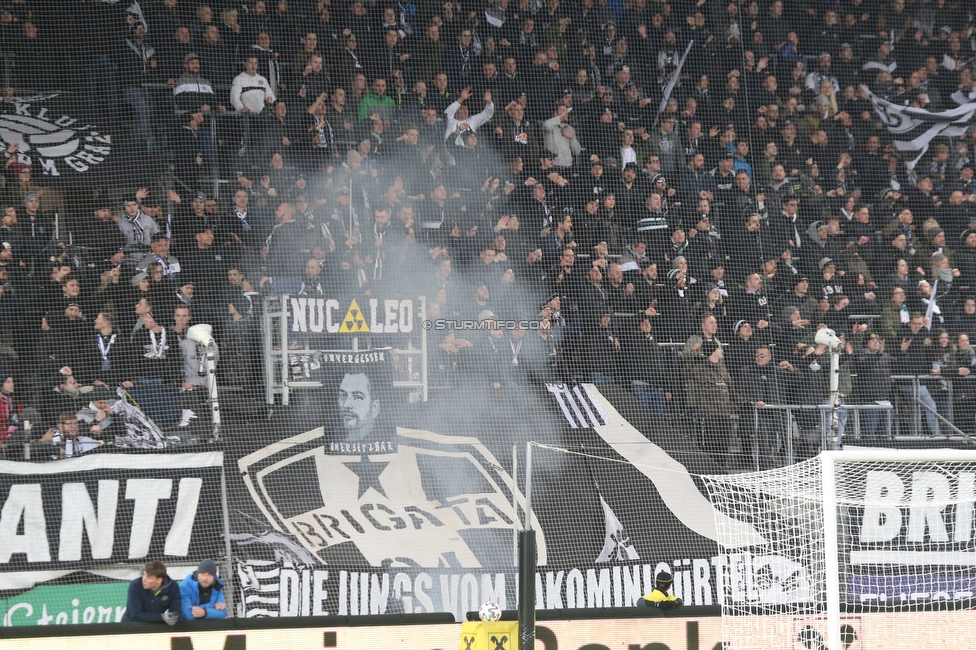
<point x="561" y="138"/>
<point x="249" y="94"/>
<point x="458" y="119"/>
<point x="250" y="91"/>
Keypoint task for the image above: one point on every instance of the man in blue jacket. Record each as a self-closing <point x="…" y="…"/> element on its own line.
<point x="153" y="598"/>
<point x="203" y="593"/>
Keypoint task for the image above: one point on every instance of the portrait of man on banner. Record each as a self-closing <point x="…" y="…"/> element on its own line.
<point x="359" y="405"/>
<point x="358" y="400"/>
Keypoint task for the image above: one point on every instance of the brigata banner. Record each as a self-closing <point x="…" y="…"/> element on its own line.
<point x="104" y="509"/>
<point x="379" y="506"/>
<point x="359" y="502"/>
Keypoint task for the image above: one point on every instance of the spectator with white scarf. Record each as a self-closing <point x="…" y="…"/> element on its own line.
<point x="65" y="439"/>
<point x="159" y="252"/>
<point x="138" y="228"/>
<point x="156" y="365"/>
<point x="814" y="79"/>
<point x="102" y="361"/>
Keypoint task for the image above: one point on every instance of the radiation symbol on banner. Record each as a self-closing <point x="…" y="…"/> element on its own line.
<point x="354" y="321"/>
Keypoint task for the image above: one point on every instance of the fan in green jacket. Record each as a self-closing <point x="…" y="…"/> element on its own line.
<point x="377" y="101"/>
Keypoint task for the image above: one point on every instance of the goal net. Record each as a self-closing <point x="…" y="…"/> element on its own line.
<point x="860" y="549"/>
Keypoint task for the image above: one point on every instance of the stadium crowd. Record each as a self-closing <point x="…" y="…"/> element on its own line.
<point x="510" y="160"/>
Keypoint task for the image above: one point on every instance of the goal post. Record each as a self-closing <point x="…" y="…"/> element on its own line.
<point x="856" y="544"/>
<point x="831" y="538"/>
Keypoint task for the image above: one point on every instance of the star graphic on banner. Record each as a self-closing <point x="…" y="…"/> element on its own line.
<point x="369" y="475"/>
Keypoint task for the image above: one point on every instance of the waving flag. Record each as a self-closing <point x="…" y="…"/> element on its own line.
<point x="671" y="82"/>
<point x="617" y="546"/>
<point x="674" y="79"/>
<point x="914" y="128"/>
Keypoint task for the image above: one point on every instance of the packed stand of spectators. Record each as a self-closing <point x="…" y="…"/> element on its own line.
<point x="511" y="162"/>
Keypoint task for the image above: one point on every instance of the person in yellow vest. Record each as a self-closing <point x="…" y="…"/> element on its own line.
<point x="661" y="596"/>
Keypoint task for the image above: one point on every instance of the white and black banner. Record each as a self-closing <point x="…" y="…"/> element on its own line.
<point x="912" y="537"/>
<point x="105" y="509"/>
<point x="59" y="142"/>
<point x="914" y="128"/>
<point x="577" y="405"/>
<point x="342" y="315"/>
<point x="372" y="513"/>
<point x="280" y="588"/>
<point x="362" y="503"/>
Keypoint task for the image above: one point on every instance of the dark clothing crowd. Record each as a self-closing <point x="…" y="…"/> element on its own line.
<point x="571" y="204"/>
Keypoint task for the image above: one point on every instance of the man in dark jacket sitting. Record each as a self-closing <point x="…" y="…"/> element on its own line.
<point x="153" y="598"/>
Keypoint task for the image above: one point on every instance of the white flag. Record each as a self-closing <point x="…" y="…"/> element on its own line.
<point x="672" y="81"/>
<point x="914" y="128"/>
<point x="617" y="545"/>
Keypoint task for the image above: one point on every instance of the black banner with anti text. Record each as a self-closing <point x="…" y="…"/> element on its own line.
<point x="107" y="508"/>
